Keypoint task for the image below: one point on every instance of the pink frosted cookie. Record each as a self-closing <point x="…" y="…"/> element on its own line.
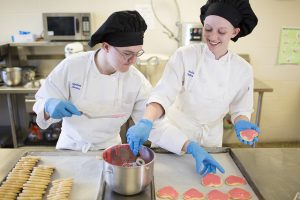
<point x="212" y="180"/>
<point x="248" y="135"/>
<point x="239" y="194"/>
<point x="217" y="195"/>
<point x="193" y="194"/>
<point x="167" y="192"/>
<point x="235" y="180"/>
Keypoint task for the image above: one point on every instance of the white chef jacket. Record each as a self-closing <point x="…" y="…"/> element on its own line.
<point x="197" y="91"/>
<point x="78" y="80"/>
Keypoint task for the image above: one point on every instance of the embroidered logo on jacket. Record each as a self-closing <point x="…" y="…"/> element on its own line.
<point x="76" y="86"/>
<point x="190" y="73"/>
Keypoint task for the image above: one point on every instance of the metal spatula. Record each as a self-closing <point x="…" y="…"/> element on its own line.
<point x="119" y="115"/>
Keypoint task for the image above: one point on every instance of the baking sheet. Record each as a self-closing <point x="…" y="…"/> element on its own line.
<point x="85" y="169"/>
<point x="180" y="173"/>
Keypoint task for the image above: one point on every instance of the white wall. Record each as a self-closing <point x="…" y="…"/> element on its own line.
<point x="281" y="109"/>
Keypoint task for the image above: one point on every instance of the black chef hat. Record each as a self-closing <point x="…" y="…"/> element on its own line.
<point x="121" y="29"/>
<point x="238" y="12"/>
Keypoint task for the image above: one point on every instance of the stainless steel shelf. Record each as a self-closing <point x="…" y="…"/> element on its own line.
<point x="44" y="43"/>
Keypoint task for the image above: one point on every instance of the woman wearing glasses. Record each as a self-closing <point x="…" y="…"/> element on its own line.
<point x="95" y="92"/>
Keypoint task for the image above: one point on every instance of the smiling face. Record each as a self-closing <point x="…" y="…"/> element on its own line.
<point x="217" y="33"/>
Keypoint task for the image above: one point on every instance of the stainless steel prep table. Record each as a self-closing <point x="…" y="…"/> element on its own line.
<point x="274" y="171"/>
<point x="11" y="95"/>
<point x="260" y="88"/>
<point x="68" y="163"/>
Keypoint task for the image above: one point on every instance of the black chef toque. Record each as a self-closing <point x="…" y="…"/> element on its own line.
<point x="121" y="29"/>
<point x="238" y="12"/>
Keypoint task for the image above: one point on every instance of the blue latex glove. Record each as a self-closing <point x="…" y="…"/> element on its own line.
<point x="243" y="125"/>
<point x="205" y="163"/>
<point x="138" y="134"/>
<point x="57" y="108"/>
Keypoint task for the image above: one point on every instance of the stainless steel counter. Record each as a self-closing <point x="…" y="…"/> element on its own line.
<point x="274" y="171"/>
<point x="11" y="93"/>
<point x="17" y="90"/>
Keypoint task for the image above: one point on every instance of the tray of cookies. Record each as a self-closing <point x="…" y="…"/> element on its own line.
<point x="176" y="178"/>
<point x="53" y="175"/>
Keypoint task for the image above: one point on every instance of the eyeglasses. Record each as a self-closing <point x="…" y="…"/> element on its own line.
<point x="128" y="54"/>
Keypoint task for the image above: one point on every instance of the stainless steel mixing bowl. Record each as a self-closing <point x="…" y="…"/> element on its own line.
<point x="122" y="176"/>
<point x="12" y="76"/>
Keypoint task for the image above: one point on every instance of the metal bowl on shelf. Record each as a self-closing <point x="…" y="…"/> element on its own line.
<point x="121" y="173"/>
<point x="11" y="76"/>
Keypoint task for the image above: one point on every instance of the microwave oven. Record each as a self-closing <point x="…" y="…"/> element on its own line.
<point x="67" y="26"/>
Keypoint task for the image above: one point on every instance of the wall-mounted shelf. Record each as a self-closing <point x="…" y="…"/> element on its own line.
<point x="25" y="51"/>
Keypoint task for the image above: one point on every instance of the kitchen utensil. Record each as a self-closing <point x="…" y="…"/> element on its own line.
<point x="12" y="76"/>
<point x="121" y="175"/>
<point x="139" y="161"/>
<point x="119" y="115"/>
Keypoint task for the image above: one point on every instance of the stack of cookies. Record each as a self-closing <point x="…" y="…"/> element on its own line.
<point x="61" y="189"/>
<point x="17" y="177"/>
<point x="36" y="186"/>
